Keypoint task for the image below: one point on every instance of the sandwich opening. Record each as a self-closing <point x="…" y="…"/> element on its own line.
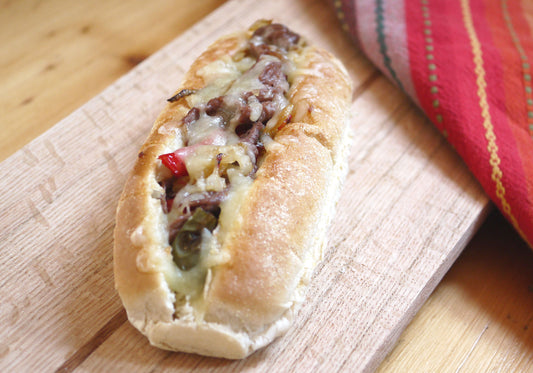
<point x="232" y="120"/>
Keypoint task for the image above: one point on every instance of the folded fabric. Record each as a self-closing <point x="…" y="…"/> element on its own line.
<point x="467" y="65"/>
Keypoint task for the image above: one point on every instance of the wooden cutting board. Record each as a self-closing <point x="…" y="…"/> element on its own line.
<point x="408" y="208"/>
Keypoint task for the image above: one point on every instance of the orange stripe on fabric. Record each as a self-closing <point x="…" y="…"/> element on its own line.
<point x="481" y="83"/>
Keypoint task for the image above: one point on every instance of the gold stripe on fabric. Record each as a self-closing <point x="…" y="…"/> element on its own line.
<point x="492" y="147"/>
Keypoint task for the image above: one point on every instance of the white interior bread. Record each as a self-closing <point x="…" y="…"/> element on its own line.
<point x="273" y="224"/>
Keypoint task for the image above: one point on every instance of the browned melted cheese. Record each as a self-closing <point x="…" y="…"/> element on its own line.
<point x="212" y="140"/>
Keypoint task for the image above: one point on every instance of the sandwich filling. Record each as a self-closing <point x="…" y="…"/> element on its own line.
<point x="225" y="133"/>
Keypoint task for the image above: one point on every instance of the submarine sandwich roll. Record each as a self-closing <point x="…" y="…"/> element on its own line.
<point x="225" y="213"/>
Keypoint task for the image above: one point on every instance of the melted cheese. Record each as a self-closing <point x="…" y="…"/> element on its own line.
<point x="208" y="137"/>
<point x="191" y="282"/>
<point x="207" y="129"/>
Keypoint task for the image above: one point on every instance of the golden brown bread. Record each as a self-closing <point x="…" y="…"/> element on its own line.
<point x="278" y="222"/>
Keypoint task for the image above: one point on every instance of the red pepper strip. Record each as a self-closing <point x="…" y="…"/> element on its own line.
<point x="170" y="202"/>
<point x="174" y="163"/>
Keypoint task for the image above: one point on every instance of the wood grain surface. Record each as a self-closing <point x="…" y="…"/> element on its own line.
<point x="479" y="319"/>
<point x="408" y="209"/>
<point x="57" y="55"/>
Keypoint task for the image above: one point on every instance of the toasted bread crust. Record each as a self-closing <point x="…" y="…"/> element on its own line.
<point x="281" y="233"/>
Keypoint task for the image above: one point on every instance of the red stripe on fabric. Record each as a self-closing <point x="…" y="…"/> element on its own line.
<point x="523" y="30"/>
<point x="494" y="59"/>
<point x="415" y="46"/>
<point x="512" y="97"/>
<point x="520" y="127"/>
<point x="524" y="142"/>
<point x="348" y="9"/>
<point x="461" y="82"/>
<point x="527" y="8"/>
<point x="452" y="57"/>
<point x="454" y="78"/>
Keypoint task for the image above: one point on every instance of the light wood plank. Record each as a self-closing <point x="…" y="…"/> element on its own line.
<point x="57" y="54"/>
<point x="479" y="318"/>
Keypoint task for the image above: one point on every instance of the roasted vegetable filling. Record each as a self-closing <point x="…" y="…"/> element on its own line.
<point x="223" y="136"/>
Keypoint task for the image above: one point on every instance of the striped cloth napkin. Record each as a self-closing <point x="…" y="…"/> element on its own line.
<point x="467" y="65"/>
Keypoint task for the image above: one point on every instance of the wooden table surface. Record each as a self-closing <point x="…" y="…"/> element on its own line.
<point x="56" y="55"/>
